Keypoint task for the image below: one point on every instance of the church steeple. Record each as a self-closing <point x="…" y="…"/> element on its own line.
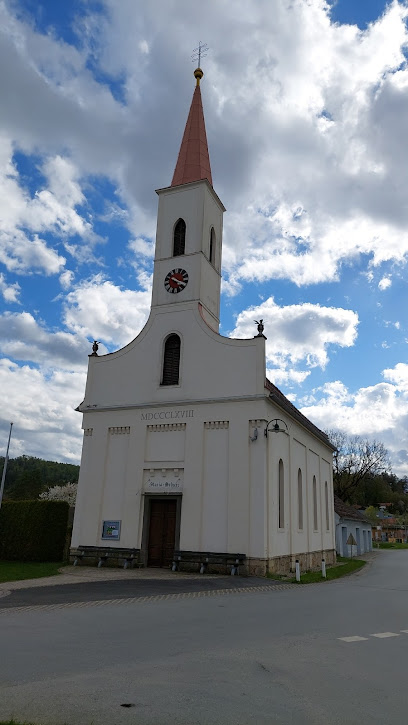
<point x="187" y="265"/>
<point x="193" y="163"/>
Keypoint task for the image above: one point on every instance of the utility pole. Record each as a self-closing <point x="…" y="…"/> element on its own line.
<point x="3" y="477"/>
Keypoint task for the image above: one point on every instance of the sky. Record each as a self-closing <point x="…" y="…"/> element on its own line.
<point x="305" y="104"/>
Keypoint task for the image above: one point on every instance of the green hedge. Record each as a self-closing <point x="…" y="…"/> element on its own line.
<point x="33" y="530"/>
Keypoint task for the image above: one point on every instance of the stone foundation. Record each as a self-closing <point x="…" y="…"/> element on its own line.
<point x="311" y="561"/>
<point x="113" y="556"/>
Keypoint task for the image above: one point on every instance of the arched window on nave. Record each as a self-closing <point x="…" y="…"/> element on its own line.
<point x="300" y="500"/>
<point x="281" y="495"/>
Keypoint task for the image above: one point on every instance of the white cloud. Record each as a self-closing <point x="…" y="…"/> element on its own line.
<point x="10" y="292"/>
<point x="51" y="210"/>
<point x="299" y="332"/>
<point x="378" y="411"/>
<point x="282" y="376"/>
<point x="370" y="411"/>
<point x="384" y="283"/>
<point x="99" y="309"/>
<point x="336" y="391"/>
<point x="41" y="407"/>
<point x="66" y="279"/>
<point x="22" y="255"/>
<point x="398" y="375"/>
<point x="54" y="208"/>
<point x="23" y="338"/>
<point x="142" y="246"/>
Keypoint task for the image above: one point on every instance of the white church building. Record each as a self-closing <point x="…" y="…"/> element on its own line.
<point x="191" y="457"/>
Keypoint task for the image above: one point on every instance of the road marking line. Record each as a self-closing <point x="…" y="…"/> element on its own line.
<point x="352" y="639"/>
<point x="383" y="635"/>
<point x="404" y="630"/>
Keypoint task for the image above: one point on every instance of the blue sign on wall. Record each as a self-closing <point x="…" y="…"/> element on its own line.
<point x="111" y="530"/>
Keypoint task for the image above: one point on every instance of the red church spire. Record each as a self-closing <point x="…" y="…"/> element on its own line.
<point x="193" y="161"/>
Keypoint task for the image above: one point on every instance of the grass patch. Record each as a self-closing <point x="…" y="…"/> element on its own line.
<point x="12" y="571"/>
<point x="344" y="566"/>
<point x="13" y="722"/>
<point x="386" y="545"/>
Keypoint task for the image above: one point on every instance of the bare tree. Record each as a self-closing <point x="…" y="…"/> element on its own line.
<point x="354" y="460"/>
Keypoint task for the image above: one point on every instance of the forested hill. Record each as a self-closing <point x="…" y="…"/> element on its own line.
<point x="27" y="476"/>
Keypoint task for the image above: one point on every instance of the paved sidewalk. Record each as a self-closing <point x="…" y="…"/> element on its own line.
<point x="78" y="574"/>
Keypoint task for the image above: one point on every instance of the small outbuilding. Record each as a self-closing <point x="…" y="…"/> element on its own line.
<point x="353" y="530"/>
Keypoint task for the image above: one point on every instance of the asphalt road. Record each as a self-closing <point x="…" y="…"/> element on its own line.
<point x="263" y="657"/>
<point x="125" y="588"/>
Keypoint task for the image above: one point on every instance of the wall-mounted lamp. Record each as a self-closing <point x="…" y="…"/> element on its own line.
<point x="255" y="436"/>
<point x="276" y="428"/>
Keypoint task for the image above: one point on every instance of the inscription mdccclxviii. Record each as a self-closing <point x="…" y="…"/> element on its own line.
<point x="168" y="415"/>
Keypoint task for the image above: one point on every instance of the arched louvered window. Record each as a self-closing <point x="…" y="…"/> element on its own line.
<point x="171" y="361"/>
<point x="315" y="525"/>
<point x="326" y="499"/>
<point x="300" y="500"/>
<point x="281" y="496"/>
<point x="179" y="238"/>
<point x="212" y="246"/>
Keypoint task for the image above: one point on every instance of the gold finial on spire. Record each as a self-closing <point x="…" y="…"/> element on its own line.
<point x="199" y="53"/>
<point x="198" y="74"/>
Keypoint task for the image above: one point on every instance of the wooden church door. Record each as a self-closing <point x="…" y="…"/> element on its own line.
<point x="162" y="532"/>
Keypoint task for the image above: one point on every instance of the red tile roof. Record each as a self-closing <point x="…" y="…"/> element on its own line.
<point x="348" y="512"/>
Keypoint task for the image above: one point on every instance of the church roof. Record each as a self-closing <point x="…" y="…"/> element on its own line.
<point x="280" y="399"/>
<point x="193" y="162"/>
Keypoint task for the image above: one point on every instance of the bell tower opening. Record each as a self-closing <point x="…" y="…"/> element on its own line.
<point x="179" y="238"/>
<point x="211" y="255"/>
<point x="171" y="361"/>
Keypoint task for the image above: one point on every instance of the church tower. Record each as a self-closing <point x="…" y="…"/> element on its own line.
<point x="187" y="265"/>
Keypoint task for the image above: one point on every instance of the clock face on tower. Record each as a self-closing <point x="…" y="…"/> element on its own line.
<point x="176" y="280"/>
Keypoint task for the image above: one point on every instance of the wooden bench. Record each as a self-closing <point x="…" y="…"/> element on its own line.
<point x="130" y="557"/>
<point x="206" y="559"/>
<point x="81" y="554"/>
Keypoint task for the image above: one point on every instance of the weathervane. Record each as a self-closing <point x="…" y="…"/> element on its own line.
<point x="199" y="53"/>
